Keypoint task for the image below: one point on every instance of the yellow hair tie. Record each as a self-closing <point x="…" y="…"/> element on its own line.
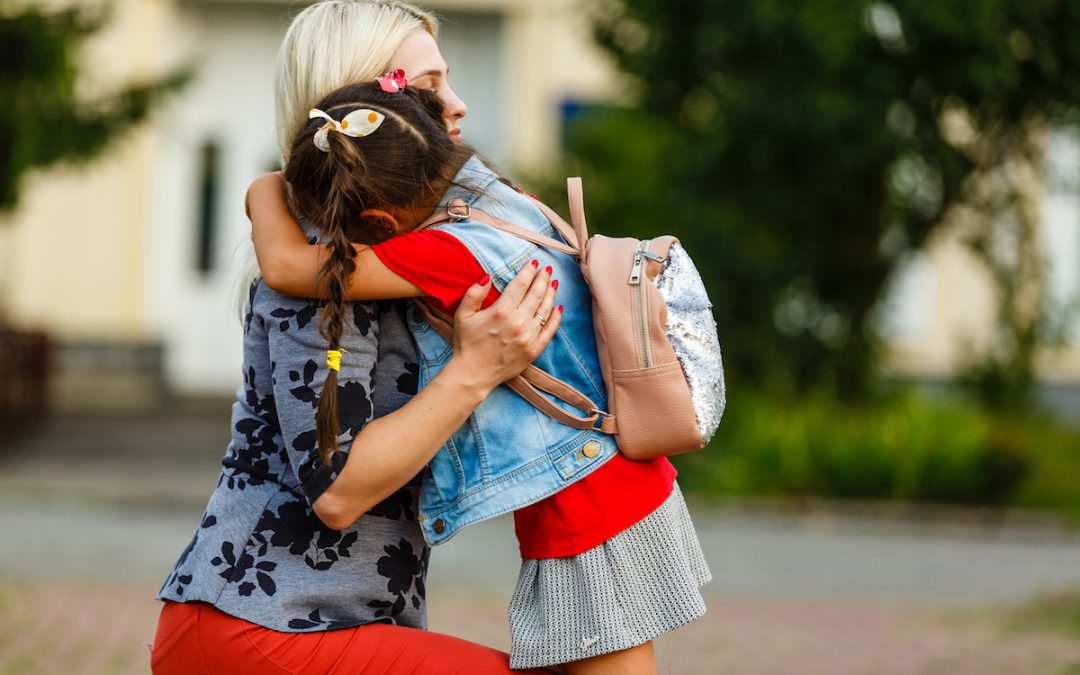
<point x="333" y="359"/>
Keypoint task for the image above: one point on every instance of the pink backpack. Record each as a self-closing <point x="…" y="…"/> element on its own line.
<point x="655" y="336"/>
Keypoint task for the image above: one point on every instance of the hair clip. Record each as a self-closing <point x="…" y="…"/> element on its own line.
<point x="358" y="123"/>
<point x="393" y="81"/>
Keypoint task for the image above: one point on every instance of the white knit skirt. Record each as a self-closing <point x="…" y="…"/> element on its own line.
<point x="635" y="586"/>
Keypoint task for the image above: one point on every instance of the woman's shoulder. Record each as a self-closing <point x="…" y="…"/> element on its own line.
<point x="268" y="304"/>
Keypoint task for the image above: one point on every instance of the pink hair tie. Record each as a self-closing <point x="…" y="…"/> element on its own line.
<point x="393" y="81"/>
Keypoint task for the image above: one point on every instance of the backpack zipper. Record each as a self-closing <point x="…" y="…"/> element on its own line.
<point x="641" y="300"/>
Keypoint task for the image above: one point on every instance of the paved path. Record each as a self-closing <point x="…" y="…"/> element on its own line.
<point x="792" y="594"/>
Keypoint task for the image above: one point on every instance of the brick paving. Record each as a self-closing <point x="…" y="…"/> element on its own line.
<point x="806" y="637"/>
<point x="80" y="629"/>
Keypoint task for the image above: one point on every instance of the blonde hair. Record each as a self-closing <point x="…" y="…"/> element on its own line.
<point x="330" y="44"/>
<point x="333" y="43"/>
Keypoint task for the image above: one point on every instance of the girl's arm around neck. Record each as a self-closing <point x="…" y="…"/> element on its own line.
<point x="290" y="265"/>
<point x="490" y="347"/>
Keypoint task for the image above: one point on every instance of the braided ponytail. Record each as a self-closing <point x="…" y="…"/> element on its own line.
<point x="405" y="164"/>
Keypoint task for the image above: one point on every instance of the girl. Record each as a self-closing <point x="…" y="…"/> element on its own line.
<point x="610" y="558"/>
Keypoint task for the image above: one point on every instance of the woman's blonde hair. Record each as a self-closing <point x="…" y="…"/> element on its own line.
<point x="333" y="43"/>
<point x="330" y="44"/>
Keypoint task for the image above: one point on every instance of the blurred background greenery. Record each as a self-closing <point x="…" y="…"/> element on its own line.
<point x="802" y="152"/>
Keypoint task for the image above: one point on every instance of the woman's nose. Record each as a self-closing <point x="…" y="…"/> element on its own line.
<point x="455" y="107"/>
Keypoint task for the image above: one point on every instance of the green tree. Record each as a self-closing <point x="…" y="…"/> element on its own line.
<point x="802" y="149"/>
<point x="42" y="120"/>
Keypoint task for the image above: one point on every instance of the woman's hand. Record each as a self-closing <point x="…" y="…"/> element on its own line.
<point x="490" y="347"/>
<point x="495" y="344"/>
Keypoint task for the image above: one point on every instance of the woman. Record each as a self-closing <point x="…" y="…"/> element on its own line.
<point x="275" y="580"/>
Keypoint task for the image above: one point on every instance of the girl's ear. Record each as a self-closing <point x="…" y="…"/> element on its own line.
<point x="381" y="219"/>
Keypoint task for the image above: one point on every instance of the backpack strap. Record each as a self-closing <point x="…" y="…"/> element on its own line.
<point x="529" y="385"/>
<point x="459" y="210"/>
<point x="527" y="235"/>
<point x="577" y="210"/>
<point x="533" y="381"/>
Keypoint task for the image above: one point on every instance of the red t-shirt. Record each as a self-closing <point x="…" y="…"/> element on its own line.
<point x="586" y="513"/>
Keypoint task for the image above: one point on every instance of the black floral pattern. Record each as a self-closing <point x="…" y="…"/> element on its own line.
<point x="263" y="406"/>
<point x="302" y="316"/>
<point x="409" y="381"/>
<point x="177" y="580"/>
<point x="354" y="408"/>
<point x="252" y="459"/>
<point x="354" y="402"/>
<point x="304" y="391"/>
<point x="405" y="571"/>
<point x="260" y="553"/>
<point x="313" y="620"/>
<point x="249" y="314"/>
<point x="364" y="315"/>
<point x="236" y="568"/>
<point x="294" y="526"/>
<point x="395" y="507"/>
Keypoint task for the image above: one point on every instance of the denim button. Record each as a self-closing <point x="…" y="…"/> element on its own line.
<point x="439" y="526"/>
<point x="591" y="449"/>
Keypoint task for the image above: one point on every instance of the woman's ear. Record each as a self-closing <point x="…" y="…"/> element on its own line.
<point x="381" y="219"/>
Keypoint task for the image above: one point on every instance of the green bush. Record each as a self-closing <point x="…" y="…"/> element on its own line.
<point x="910" y="447"/>
<point x="1059" y="610"/>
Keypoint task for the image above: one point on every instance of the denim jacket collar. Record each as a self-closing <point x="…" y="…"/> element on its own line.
<point x="469" y="182"/>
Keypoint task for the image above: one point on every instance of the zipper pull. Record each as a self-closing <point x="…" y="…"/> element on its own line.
<point x="635" y="271"/>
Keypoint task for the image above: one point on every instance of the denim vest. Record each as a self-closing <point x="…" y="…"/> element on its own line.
<point x="508" y="454"/>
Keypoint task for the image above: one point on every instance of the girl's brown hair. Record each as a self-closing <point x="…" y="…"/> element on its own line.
<point x="405" y="165"/>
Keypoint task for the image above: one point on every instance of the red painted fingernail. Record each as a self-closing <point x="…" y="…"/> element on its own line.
<point x="536" y="263"/>
<point x="548" y="269"/>
<point x="484" y="280"/>
<point x="555" y="284"/>
<point x="534" y="196"/>
<point x="559" y="308"/>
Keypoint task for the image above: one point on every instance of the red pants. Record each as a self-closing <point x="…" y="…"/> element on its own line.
<point x="196" y="638"/>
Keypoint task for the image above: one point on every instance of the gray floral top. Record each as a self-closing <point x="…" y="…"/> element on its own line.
<point x="259" y="552"/>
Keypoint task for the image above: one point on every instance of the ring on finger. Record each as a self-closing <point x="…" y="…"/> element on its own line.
<point x="541" y="320"/>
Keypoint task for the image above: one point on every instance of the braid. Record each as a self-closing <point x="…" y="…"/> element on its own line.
<point x="341" y="213"/>
<point x="348" y="189"/>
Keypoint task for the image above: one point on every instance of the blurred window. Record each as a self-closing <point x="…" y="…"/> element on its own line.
<point x="209" y="190"/>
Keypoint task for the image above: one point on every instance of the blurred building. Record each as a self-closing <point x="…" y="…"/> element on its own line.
<point x="131" y="262"/>
<point x="942" y="303"/>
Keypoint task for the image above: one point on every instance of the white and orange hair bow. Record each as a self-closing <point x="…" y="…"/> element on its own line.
<point x="357" y="124"/>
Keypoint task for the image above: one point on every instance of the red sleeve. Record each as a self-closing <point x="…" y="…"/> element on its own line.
<point x="437" y="263"/>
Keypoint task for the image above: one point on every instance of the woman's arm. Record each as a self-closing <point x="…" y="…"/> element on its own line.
<point x="290" y="265"/>
<point x="490" y="347"/>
